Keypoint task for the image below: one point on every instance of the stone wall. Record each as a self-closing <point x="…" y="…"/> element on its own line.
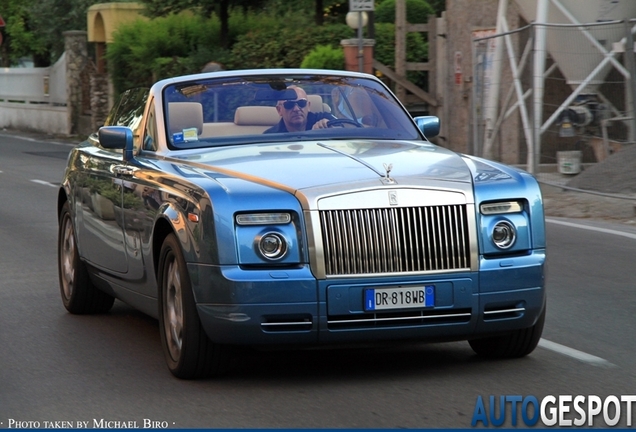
<point x="99" y="86"/>
<point x="76" y="58"/>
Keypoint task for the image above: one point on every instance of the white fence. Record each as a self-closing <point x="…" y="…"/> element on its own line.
<point x="35" y="98"/>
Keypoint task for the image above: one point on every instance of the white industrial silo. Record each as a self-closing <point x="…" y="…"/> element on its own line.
<point x="583" y="49"/>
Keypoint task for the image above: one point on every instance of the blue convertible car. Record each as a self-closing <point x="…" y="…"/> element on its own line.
<point x="304" y="207"/>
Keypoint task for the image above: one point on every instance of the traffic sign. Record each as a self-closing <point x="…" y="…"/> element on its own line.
<point x="361" y="5"/>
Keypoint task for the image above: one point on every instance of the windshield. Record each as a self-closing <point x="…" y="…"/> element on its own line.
<point x="222" y="111"/>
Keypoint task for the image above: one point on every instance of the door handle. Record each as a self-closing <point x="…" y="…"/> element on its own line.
<point x="121" y="171"/>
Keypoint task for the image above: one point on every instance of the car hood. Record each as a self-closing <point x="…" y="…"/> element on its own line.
<point x="304" y="165"/>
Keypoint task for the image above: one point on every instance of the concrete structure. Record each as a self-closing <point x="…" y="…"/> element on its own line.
<point x="103" y="19"/>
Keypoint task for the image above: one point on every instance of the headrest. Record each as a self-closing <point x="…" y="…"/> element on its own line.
<point x="256" y="116"/>
<point x="185" y="115"/>
<point x="315" y="104"/>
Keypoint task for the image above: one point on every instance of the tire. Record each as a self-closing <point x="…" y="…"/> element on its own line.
<point x="188" y="351"/>
<point x="79" y="294"/>
<point x="516" y="344"/>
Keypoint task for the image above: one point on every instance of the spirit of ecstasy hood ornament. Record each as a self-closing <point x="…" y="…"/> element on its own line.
<point x="388" y="169"/>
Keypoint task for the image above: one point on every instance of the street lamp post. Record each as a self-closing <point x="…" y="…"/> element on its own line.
<point x="357" y="19"/>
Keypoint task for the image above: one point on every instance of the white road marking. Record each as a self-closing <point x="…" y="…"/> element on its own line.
<point x="576" y="354"/>
<point x="592" y="228"/>
<point x="43" y="182"/>
<point x="38" y="140"/>
<point x="562" y="349"/>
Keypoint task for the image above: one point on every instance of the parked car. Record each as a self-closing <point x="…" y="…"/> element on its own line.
<point x="196" y="206"/>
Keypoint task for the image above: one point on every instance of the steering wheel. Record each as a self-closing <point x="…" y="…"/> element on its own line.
<point x="343" y="121"/>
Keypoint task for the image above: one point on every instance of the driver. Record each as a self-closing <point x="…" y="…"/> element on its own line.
<point x="295" y="115"/>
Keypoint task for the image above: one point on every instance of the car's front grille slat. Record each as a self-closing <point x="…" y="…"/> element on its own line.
<point x="390" y="240"/>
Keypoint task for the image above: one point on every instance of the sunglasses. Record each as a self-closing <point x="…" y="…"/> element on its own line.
<point x="289" y="105"/>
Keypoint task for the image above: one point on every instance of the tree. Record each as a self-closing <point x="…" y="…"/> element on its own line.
<point x="51" y="18"/>
<point x="34" y="28"/>
<point x="19" y="38"/>
<point x="161" y="8"/>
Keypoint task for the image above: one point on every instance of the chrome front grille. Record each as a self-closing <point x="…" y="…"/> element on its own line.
<point x="392" y="240"/>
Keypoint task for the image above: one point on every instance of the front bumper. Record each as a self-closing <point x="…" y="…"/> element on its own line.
<point x="290" y="306"/>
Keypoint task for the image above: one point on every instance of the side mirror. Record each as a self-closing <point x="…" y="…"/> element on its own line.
<point x="117" y="137"/>
<point x="428" y="125"/>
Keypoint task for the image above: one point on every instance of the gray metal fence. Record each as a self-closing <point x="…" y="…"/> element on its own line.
<point x="565" y="113"/>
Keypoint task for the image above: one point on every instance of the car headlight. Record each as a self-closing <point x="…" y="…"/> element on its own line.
<point x="503" y="234"/>
<point x="268" y="238"/>
<point x="271" y="245"/>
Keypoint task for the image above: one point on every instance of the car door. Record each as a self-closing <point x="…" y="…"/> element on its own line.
<point x="109" y="182"/>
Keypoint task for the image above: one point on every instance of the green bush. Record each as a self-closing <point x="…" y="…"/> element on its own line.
<point x="146" y="51"/>
<point x="324" y="57"/>
<point x="285" y="46"/>
<point x="417" y="11"/>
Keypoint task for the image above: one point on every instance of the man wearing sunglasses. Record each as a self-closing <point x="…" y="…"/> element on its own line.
<point x="295" y="115"/>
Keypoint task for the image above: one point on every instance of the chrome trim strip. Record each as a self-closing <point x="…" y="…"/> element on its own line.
<point x="409" y="318"/>
<point x="398" y="273"/>
<point x="504" y="311"/>
<point x="357" y="159"/>
<point x="274" y="324"/>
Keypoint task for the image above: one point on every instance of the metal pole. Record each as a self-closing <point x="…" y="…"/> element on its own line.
<point x="534" y="154"/>
<point x="360" y="48"/>
<point x="492" y="96"/>
<point x="631" y="67"/>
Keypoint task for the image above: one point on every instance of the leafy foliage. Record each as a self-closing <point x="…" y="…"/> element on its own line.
<point x="146" y="51"/>
<point x="417" y="11"/>
<point x="19" y="38"/>
<point x="284" y="47"/>
<point x="51" y="18"/>
<point x="35" y="27"/>
<point x="416" y="50"/>
<point x="324" y="57"/>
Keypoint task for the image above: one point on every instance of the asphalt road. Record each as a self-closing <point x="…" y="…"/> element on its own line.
<point x="108" y="370"/>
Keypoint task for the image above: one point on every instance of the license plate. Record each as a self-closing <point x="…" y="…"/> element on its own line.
<point x="399" y="298"/>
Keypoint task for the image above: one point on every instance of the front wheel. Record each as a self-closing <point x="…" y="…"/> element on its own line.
<point x="518" y="343"/>
<point x="188" y="351"/>
<point x="79" y="295"/>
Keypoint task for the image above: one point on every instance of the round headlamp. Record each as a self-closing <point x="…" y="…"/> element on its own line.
<point x="503" y="234"/>
<point x="271" y="246"/>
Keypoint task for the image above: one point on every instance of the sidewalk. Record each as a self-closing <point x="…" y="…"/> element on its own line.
<point x="560" y="202"/>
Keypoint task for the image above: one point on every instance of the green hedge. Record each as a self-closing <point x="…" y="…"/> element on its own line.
<point x="284" y="47"/>
<point x="324" y="57"/>
<point x="146" y="51"/>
